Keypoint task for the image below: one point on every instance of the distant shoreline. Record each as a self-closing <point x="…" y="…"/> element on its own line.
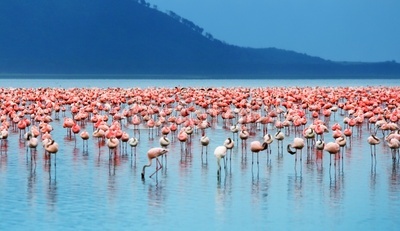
<point x="190" y="76"/>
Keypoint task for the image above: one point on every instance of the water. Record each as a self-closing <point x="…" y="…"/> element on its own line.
<point x="88" y="192"/>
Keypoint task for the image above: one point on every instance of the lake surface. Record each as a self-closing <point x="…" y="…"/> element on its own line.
<point x="87" y="191"/>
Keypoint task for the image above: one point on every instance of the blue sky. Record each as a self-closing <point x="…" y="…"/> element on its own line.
<point x="338" y="30"/>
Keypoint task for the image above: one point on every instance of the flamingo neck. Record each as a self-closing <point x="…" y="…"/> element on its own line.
<point x="289" y="150"/>
<point x="264" y="146"/>
<point x="145" y="166"/>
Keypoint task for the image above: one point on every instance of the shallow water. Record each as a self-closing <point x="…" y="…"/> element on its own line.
<point x="87" y="191"/>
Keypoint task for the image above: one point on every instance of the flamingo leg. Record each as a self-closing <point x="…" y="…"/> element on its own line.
<point x="225" y="160"/>
<point x="371" y="150"/>
<point x="158" y="167"/>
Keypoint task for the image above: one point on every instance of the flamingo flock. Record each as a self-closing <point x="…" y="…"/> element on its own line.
<point x="115" y="116"/>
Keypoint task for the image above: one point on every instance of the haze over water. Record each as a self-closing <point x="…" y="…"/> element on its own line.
<point x="68" y="81"/>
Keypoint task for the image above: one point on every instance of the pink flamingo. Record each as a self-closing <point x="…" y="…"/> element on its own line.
<point x="51" y="147"/>
<point x="279" y="136"/>
<point x="394" y="145"/>
<point x="112" y="144"/>
<point x="136" y="122"/>
<point x="151" y="154"/>
<point x="75" y="129"/>
<point x="229" y="144"/>
<point x="68" y="124"/>
<point x="333" y="149"/>
<point x="85" y="137"/>
<point x="164" y="143"/>
<point x="183" y="137"/>
<point x="244" y="135"/>
<point x="309" y="134"/>
<point x="3" y="137"/>
<point x="256" y="147"/>
<point x="124" y="139"/>
<point x="204" y="140"/>
<point x="342" y="143"/>
<point x="32" y="143"/>
<point x="268" y="139"/>
<point x="297" y="144"/>
<point x="373" y="141"/>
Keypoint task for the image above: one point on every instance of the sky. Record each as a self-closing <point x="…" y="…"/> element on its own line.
<point x="337" y="30"/>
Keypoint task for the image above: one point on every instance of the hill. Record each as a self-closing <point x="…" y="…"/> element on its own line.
<point x="130" y="37"/>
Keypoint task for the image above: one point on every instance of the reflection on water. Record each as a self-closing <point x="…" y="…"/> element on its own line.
<point x="31" y="182"/>
<point x="156" y="198"/>
<point x="111" y="182"/>
<point x="223" y="195"/>
<point x="51" y="193"/>
<point x="394" y="178"/>
<point x="3" y="162"/>
<point x="337" y="185"/>
<point x="295" y="188"/>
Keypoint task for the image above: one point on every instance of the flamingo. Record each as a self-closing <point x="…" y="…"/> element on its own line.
<point x="332" y="148"/>
<point x="75" y="129"/>
<point x="394" y="145"/>
<point x="124" y="139"/>
<point x="341" y="140"/>
<point x="189" y="131"/>
<point x="99" y="134"/>
<point x="183" y="137"/>
<point x="133" y="142"/>
<point x="165" y="130"/>
<point x="220" y="153"/>
<point x="268" y="139"/>
<point x="164" y="141"/>
<point x="68" y="124"/>
<point x="244" y="135"/>
<point x="85" y="137"/>
<point x="151" y="154"/>
<point x="320" y="144"/>
<point x="297" y="144"/>
<point x="256" y="147"/>
<point x="32" y="143"/>
<point x="234" y="129"/>
<point x="51" y="147"/>
<point x="229" y="144"/>
<point x="112" y="143"/>
<point x="150" y="124"/>
<point x="3" y="137"/>
<point x="309" y="134"/>
<point x="204" y="140"/>
<point x="279" y="136"/>
<point x="373" y="140"/>
<point x="136" y="122"/>
<point x="21" y="126"/>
